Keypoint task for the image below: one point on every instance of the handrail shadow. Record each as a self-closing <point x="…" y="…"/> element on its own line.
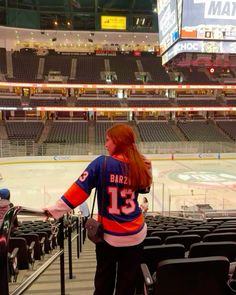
<point x="5" y="231"/>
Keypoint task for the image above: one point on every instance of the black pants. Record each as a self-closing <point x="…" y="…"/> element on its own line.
<point x="117" y="268"/>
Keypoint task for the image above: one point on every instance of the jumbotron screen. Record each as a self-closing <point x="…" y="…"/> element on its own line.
<point x="203" y="27"/>
<point x="168" y="23"/>
<point x="214" y="20"/>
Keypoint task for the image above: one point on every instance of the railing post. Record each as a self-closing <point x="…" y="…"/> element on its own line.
<point x="70" y="251"/>
<point x="4" y="267"/>
<point x="78" y="237"/>
<point x="163" y="199"/>
<point x="62" y="257"/>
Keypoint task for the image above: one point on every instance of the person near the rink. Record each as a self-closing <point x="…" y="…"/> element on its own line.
<point x="144" y="206"/>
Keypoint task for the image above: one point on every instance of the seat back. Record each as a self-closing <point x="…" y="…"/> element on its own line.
<point x="31" y="237"/>
<point x="154" y="254"/>
<point x="164" y="234"/>
<point x="152" y="241"/>
<point x="186" y="240"/>
<point x="151" y="230"/>
<point x="209" y="227"/>
<point x="224" y="230"/>
<point x="193" y="276"/>
<point x="22" y="255"/>
<point x="220" y="237"/>
<point x="200" y="232"/>
<point x="47" y="244"/>
<point x="227" y="249"/>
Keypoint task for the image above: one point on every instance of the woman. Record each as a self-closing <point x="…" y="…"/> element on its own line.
<point x="125" y="173"/>
<point x="144" y="205"/>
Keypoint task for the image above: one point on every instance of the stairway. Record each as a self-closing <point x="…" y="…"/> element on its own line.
<point x="9" y="64"/>
<point x="91" y="133"/>
<point x="83" y="270"/>
<point x="41" y="68"/>
<point x="46" y="129"/>
<point x="73" y="69"/>
<point x="134" y="126"/>
<point x="3" y="132"/>
<point x="71" y="100"/>
<point x="178" y="132"/>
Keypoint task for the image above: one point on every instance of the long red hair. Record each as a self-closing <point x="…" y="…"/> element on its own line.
<point x="139" y="173"/>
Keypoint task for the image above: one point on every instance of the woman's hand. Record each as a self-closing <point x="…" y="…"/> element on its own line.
<point x="47" y="214"/>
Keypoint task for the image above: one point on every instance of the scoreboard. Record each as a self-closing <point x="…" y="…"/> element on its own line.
<point x="168" y="23"/>
<point x="209" y="19"/>
<point x="200" y="26"/>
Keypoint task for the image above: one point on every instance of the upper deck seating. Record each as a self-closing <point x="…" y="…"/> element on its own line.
<point x="68" y="132"/>
<point x="157" y="131"/>
<point x="148" y="102"/>
<point x="10" y="102"/>
<point x="83" y="102"/>
<point x="201" y="131"/>
<point x="24" y="130"/>
<point x="229" y="127"/>
<point x="36" y="102"/>
<point x="197" y="102"/>
<point x="100" y="130"/>
<point x="25" y="67"/>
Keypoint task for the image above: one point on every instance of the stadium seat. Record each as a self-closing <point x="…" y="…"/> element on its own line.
<point x="154" y="254"/>
<point x="152" y="241"/>
<point x="164" y="234"/>
<point x="200" y="232"/>
<point x="217" y="237"/>
<point x="25" y="253"/>
<point x="186" y="240"/>
<point x="195" y="276"/>
<point x="227" y="249"/>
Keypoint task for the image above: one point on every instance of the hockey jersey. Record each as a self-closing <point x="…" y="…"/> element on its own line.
<point x="122" y="218"/>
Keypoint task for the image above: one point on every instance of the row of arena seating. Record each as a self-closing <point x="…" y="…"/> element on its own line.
<point x="28" y="243"/>
<point x="189" y="257"/>
<point x="178" y="264"/>
<point x="78" y="131"/>
<point x="115" y="102"/>
<point x="89" y="68"/>
<point x="24" y="130"/>
<point x="68" y="132"/>
<point x="34" y="241"/>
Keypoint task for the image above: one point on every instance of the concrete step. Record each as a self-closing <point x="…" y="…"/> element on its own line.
<point x="83" y="271"/>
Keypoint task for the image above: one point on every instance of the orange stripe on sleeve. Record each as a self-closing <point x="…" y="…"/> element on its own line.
<point x="75" y="195"/>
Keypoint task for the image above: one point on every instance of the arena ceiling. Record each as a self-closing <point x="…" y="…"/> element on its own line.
<point x="32" y="22"/>
<point x="141" y="6"/>
<point x="78" y="14"/>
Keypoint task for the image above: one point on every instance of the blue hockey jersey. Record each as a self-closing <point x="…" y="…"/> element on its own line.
<point x="122" y="218"/>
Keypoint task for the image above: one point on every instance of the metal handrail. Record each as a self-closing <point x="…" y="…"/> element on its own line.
<point x="29" y="281"/>
<point x="5" y="231"/>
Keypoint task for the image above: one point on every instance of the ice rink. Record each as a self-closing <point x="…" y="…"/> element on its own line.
<point x="176" y="183"/>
